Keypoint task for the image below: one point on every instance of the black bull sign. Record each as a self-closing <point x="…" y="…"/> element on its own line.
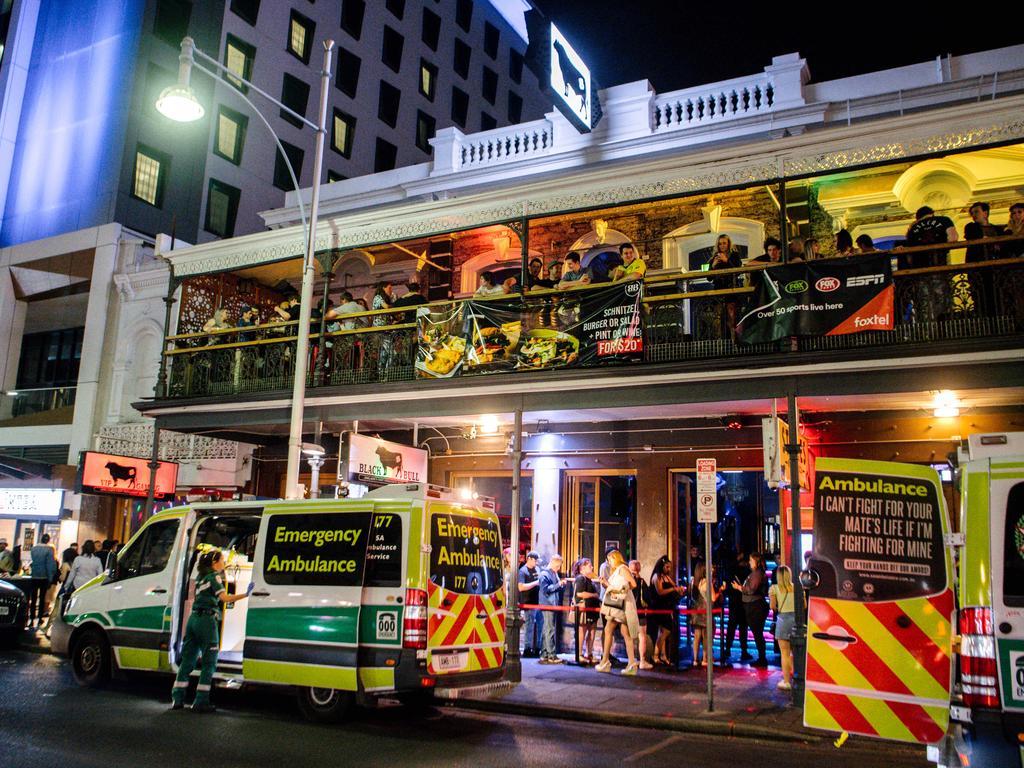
<point x="819" y="298"/>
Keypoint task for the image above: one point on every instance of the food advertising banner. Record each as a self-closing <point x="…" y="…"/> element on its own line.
<point x="828" y="297"/>
<point x="372" y="461"/>
<point x="105" y="473"/>
<point x="528" y="333"/>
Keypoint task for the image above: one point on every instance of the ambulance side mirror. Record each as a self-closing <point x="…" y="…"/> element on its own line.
<point x="809" y="579"/>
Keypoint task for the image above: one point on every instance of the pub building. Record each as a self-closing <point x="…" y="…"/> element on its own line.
<point x="894" y="353"/>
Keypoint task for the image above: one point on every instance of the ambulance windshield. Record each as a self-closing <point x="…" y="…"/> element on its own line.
<point x="465" y="554"/>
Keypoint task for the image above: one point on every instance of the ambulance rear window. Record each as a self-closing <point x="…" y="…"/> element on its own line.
<point x="1013" y="548"/>
<point x="465" y="553"/>
<point x="316" y="549"/>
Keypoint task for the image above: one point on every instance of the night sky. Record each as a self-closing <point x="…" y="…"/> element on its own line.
<point x="677" y="44"/>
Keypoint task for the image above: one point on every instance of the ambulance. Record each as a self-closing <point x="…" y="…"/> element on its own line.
<point x="988" y="714"/>
<point x="395" y="594"/>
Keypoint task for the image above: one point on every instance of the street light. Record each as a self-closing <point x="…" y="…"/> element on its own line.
<point x="315" y="458"/>
<point x="179" y="103"/>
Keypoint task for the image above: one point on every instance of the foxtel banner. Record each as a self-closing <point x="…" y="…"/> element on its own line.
<point x="819" y="298"/>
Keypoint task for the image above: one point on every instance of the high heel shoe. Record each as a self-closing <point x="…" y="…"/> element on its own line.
<point x="630" y="670"/>
<point x="604" y="666"/>
<point x="645" y="665"/>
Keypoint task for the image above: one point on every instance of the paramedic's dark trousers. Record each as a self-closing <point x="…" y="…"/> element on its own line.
<point x="201" y="638"/>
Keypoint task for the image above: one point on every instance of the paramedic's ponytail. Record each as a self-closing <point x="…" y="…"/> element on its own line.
<point x="206" y="561"/>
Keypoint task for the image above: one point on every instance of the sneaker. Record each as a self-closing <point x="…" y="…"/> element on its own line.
<point x="784" y="686"/>
<point x="604" y="666"/>
<point x="177" y="705"/>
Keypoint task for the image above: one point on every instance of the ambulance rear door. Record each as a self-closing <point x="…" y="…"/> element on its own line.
<point x="302" y="626"/>
<point x="879" y="629"/>
<point x="465" y="590"/>
<point x="1006" y="499"/>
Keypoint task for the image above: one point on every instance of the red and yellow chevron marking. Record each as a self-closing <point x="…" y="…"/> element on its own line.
<point x="894" y="680"/>
<point x="453" y="623"/>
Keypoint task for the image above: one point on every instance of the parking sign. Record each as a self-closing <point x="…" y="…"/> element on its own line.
<point x="707" y="491"/>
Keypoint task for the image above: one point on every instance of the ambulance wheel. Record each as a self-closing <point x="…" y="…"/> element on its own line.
<point x="324" y="705"/>
<point x="90" y="659"/>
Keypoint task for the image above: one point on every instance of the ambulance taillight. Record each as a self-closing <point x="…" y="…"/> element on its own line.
<point x="978" y="675"/>
<point x="414" y="621"/>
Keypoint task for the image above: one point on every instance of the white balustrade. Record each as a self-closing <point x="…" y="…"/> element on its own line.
<point x="516" y="142"/>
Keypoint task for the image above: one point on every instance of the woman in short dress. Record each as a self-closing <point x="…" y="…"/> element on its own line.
<point x="781" y="598"/>
<point x="619" y="610"/>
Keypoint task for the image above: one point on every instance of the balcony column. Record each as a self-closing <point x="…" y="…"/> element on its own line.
<point x="12" y="328"/>
<point x="93" y="341"/>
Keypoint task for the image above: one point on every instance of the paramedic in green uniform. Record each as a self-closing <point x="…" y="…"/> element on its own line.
<point x="202" y="634"/>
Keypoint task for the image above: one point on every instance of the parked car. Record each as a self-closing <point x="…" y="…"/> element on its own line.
<point x="13" y="612"/>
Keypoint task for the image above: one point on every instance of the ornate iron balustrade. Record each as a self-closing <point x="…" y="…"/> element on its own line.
<point x="688" y="317"/>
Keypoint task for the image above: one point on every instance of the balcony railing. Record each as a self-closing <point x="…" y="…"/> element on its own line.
<point x="685" y="317"/>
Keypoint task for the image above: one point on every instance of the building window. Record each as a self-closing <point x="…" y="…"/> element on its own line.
<point x="461" y="63"/>
<point x="170" y="23"/>
<point x="464" y="13"/>
<point x="515" y="107"/>
<point x="460" y="107"/>
<point x="490" y="89"/>
<point x="230" y="136"/>
<point x="333" y="176"/>
<point x="221" y="208"/>
<point x="487" y="122"/>
<point x="238" y="58"/>
<point x="397" y="7"/>
<point x="391" y="50"/>
<point x="295" y="96"/>
<point x="428" y="79"/>
<point x="352" y="12"/>
<point x="515" y="66"/>
<point x="246" y="10"/>
<point x="50" y="358"/>
<point x="151" y="169"/>
<point x="491" y="37"/>
<point x="300" y="37"/>
<point x="387" y="108"/>
<point x="425" y="126"/>
<point x="347" y="79"/>
<point x="431" y="29"/>
<point x="282" y="179"/>
<point x="343" y="133"/>
<point x="384" y="160"/>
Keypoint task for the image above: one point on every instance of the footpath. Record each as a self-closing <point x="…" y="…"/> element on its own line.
<point x="746" y="702"/>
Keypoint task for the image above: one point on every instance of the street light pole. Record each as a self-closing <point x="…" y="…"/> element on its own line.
<point x="178" y="102"/>
<point x="306" y="300"/>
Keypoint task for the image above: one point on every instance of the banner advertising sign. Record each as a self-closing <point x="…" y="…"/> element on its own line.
<point x="373" y="462"/>
<point x="819" y="298"/>
<point x="112" y="475"/>
<point x="532" y="333"/>
<point x="30" y="502"/>
<point x="879" y="623"/>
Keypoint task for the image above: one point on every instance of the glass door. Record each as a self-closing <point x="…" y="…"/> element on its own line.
<point x="600" y="514"/>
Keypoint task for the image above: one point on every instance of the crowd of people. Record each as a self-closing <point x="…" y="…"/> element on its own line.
<point x="51" y="579"/>
<point x="568" y="273"/>
<point x="645" y="613"/>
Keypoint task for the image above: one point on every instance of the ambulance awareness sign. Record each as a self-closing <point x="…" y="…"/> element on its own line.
<point x="877" y="536"/>
<point x="819" y="298"/>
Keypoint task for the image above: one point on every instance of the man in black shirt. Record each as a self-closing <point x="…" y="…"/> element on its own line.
<point x="529" y="594"/>
<point x="772" y="252"/>
<point x="533" y="278"/>
<point x="931" y="295"/>
<point x="413" y="298"/>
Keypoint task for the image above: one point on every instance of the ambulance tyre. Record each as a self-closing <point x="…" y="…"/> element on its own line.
<point x="90" y="659"/>
<point x="324" y="705"/>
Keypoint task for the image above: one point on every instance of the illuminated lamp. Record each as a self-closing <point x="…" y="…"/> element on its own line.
<point x="180" y="104"/>
<point x="488" y="425"/>
<point x="946" y="405"/>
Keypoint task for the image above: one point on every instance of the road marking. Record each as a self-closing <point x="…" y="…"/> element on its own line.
<point x="651" y="750"/>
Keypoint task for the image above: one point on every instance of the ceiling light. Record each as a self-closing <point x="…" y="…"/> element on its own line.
<point x="488" y="425"/>
<point x="946" y="405"/>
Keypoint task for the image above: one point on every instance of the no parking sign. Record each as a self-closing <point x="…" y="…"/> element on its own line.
<point x="707" y="491"/>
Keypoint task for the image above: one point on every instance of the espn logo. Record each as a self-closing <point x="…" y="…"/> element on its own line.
<point x="858" y="280"/>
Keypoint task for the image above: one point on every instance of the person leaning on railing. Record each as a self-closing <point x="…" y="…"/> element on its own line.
<point x="574" y="274"/>
<point x="633" y="267"/>
<point x="1015" y="227"/>
<point x="725" y="258"/>
<point x="931" y="292"/>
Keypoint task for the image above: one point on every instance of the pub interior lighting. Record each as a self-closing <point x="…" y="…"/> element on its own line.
<point x="946" y="405"/>
<point x="488" y="425"/>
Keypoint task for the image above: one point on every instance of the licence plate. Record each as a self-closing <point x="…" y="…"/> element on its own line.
<point x="4" y="610"/>
<point x="450" y="662"/>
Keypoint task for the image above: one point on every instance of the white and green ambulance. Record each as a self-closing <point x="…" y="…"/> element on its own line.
<point x="393" y="594"/>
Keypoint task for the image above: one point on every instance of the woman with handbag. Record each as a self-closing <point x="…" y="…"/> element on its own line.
<point x="781" y="598"/>
<point x="755" y="590"/>
<point x="619" y="610"/>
